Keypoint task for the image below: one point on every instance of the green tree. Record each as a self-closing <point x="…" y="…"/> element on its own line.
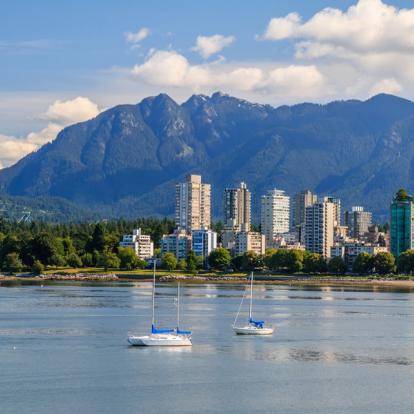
<point x="182" y="264"/>
<point x="87" y="260"/>
<point x="219" y="259"/>
<point x="337" y="265"/>
<point x="201" y="262"/>
<point x="294" y="260"/>
<point x="314" y="263"/>
<point x="401" y="195"/>
<point x="169" y="261"/>
<point x="57" y="260"/>
<point x="98" y="238"/>
<point x="73" y="260"/>
<point x="405" y="263"/>
<point x="363" y="264"/>
<point x="12" y="263"/>
<point x="108" y="260"/>
<point x="384" y="263"/>
<point x="191" y="261"/>
<point x="128" y="258"/>
<point x="268" y="257"/>
<point x="38" y="267"/>
<point x="250" y="261"/>
<point x="43" y="247"/>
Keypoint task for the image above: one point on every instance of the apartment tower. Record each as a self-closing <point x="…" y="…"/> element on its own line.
<point x="237" y="204"/>
<point x="193" y="204"/>
<point x="275" y="214"/>
<point x="320" y="220"/>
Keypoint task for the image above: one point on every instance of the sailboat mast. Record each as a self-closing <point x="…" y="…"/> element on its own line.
<point x="153" y="294"/>
<point x="251" y="296"/>
<point x="178" y="305"/>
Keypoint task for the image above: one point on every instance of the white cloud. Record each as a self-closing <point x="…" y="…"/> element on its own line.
<point x="171" y="69"/>
<point x="59" y="114"/>
<point x="390" y="85"/>
<point x="45" y="135"/>
<point x="207" y="46"/>
<point x="369" y="26"/>
<point x="282" y="27"/>
<point x="136" y="38"/>
<point x="12" y="149"/>
<point x="75" y="110"/>
<point x="374" y="39"/>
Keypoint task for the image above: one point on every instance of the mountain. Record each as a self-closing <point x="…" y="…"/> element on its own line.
<point x="47" y="209"/>
<point x="129" y="157"/>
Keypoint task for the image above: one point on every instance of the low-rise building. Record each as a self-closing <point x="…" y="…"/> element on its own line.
<point x="203" y="242"/>
<point x="350" y="250"/>
<point x="249" y="241"/>
<point x="140" y="243"/>
<point x="177" y="243"/>
<point x="286" y="241"/>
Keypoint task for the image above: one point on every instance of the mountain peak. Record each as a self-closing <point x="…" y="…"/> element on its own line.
<point x="129" y="157"/>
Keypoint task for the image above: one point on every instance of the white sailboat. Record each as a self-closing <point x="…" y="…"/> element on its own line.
<point x="252" y="327"/>
<point x="163" y="337"/>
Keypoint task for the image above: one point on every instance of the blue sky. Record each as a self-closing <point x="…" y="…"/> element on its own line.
<point x="63" y="62"/>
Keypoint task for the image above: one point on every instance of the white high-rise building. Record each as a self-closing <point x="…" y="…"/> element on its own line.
<point x="320" y="221"/>
<point x="275" y="214"/>
<point x="193" y="204"/>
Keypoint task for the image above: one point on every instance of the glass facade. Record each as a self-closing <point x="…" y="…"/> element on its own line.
<point x="402" y="223"/>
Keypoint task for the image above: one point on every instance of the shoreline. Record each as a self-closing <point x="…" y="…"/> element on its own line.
<point x="310" y="281"/>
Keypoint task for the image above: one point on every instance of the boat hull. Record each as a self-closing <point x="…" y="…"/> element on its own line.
<point x="252" y="330"/>
<point x="160" y="340"/>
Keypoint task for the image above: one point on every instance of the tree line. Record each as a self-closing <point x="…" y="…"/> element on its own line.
<point x="38" y="245"/>
<point x="294" y="261"/>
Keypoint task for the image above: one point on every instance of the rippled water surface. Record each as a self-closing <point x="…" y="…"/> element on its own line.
<point x="63" y="350"/>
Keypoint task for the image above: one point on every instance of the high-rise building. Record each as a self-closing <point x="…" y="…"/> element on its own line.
<point x="193" y="204"/>
<point x="320" y="221"/>
<point x="337" y="209"/>
<point x="275" y="214"/>
<point x="402" y="223"/>
<point x="358" y="221"/>
<point x="140" y="243"/>
<point x="237" y="204"/>
<point x="300" y="201"/>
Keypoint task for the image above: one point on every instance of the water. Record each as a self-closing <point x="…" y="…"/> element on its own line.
<point x="63" y="350"/>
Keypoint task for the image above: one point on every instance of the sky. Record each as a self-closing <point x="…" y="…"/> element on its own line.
<point x="64" y="62"/>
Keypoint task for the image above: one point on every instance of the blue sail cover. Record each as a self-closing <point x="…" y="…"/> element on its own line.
<point x="180" y="332"/>
<point x="154" y="330"/>
<point x="258" y="324"/>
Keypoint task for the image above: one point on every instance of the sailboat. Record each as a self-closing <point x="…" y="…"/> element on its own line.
<point x="163" y="337"/>
<point x="253" y="327"/>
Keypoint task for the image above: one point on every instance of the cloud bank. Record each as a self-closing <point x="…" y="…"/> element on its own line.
<point x="58" y="115"/>
<point x="172" y="69"/>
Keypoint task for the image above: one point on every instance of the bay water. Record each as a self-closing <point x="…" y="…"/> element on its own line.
<point x="63" y="350"/>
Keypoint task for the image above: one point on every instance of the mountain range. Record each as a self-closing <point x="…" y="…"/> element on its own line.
<point x="129" y="157"/>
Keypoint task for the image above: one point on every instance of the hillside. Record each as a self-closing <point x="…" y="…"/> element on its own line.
<point x="130" y="156"/>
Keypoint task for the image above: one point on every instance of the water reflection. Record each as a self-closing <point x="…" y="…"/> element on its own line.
<point x="334" y="346"/>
